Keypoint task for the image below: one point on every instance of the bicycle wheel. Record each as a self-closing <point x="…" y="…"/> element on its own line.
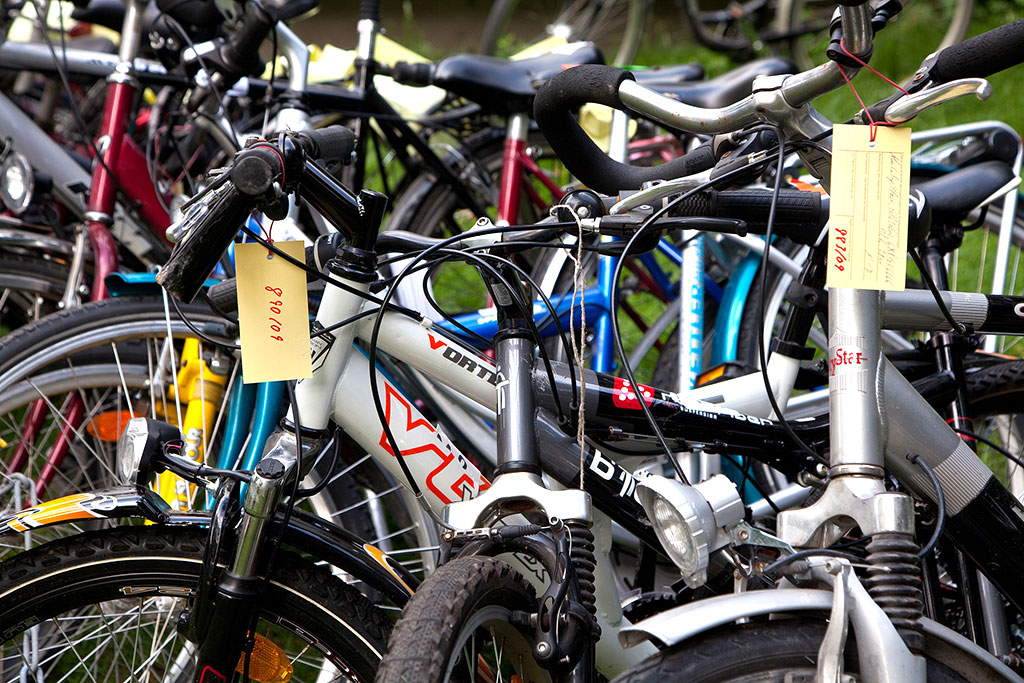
<point x="616" y="25"/>
<point x="742" y="30"/>
<point x="30" y="288"/>
<point x="103" y="606"/>
<point x="457" y="627"/>
<point x="773" y="652"/>
<point x="113" y="359"/>
<point x="431" y="207"/>
<point x="805" y="24"/>
<point x="996" y="405"/>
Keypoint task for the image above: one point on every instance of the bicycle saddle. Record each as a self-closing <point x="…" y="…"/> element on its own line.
<point x="670" y="75"/>
<point x="726" y="89"/>
<point x="952" y="196"/>
<point x="106" y="13"/>
<point x="505" y="85"/>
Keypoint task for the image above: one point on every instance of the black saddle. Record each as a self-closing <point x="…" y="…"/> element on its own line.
<point x="670" y="75"/>
<point x="505" y="86"/>
<point x="728" y="88"/>
<point x="952" y="196"/>
<point x="107" y="13"/>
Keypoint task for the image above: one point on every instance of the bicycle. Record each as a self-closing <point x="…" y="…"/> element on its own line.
<point x="404" y="338"/>
<point x="690" y="525"/>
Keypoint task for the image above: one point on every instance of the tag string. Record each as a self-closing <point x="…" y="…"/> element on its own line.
<point x="873" y="125"/>
<point x="267" y="233"/>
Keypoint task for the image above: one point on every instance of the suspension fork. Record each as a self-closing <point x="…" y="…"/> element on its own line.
<point x="856" y="492"/>
<point x="201" y="382"/>
<point x="224" y="618"/>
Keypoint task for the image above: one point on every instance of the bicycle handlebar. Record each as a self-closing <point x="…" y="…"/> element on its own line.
<point x="566" y="92"/>
<point x="773" y="100"/>
<point x="258" y="176"/>
<point x="982" y="55"/>
<point x="562" y="95"/>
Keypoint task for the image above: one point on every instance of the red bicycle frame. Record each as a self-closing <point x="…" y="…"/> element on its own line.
<point x="120" y="166"/>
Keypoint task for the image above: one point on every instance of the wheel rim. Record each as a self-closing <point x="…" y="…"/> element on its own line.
<point x="489" y="647"/>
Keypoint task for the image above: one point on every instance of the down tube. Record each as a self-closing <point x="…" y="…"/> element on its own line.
<point x="443" y="474"/>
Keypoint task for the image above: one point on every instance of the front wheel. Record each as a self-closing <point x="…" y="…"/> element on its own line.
<point x="103" y="606"/>
<point x="457" y="627"/>
<point x="770" y="652"/>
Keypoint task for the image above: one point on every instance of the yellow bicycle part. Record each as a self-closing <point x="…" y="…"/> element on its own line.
<point x="201" y="385"/>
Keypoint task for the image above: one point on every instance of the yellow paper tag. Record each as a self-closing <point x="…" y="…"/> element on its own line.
<point x="273" y="317"/>
<point x="867" y="236"/>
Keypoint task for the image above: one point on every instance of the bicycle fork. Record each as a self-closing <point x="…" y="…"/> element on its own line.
<point x="856" y="496"/>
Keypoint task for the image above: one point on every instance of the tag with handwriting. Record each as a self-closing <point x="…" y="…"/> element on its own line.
<point x="273" y="317"/>
<point x="867" y="235"/>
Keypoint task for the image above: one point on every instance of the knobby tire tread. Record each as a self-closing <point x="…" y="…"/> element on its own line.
<point x="433" y="617"/>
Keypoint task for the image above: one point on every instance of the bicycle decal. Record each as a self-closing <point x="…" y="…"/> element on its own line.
<point x="624" y="396"/>
<point x="454" y="473"/>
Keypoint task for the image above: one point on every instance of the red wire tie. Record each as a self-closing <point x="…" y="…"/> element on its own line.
<point x="873" y="125"/>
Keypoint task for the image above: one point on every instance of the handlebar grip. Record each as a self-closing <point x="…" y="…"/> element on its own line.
<point x="329" y="144"/>
<point x="553" y="109"/>
<point x="201" y="247"/>
<point x="413" y="73"/>
<point x="982" y="55"/>
<point x="240" y="53"/>
<point x="799" y="215"/>
<point x="370" y="9"/>
<point x="224" y="295"/>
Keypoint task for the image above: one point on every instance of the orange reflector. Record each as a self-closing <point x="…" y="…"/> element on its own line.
<point x="807" y="187"/>
<point x="267" y="663"/>
<point x="109" y="425"/>
<point x="710" y="375"/>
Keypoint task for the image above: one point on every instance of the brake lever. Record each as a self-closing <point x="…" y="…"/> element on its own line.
<point x="659" y="190"/>
<point x="909" y="106"/>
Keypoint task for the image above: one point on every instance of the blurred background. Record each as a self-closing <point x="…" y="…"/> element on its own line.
<point x="436" y="28"/>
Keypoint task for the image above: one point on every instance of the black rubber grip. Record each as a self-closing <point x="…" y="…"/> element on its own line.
<point x="333" y="143"/>
<point x="982" y="55"/>
<point x="413" y="73"/>
<point x="370" y="9"/>
<point x="553" y="109"/>
<point x="241" y="53"/>
<point x="798" y="215"/>
<point x="202" y="246"/>
<point x="224" y="295"/>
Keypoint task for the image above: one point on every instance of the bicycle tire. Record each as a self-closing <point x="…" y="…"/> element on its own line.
<point x="765" y="652"/>
<point x="69" y="586"/>
<point x="616" y="25"/>
<point x="30" y="288"/>
<point x="460" y="601"/>
<point x="73" y="353"/>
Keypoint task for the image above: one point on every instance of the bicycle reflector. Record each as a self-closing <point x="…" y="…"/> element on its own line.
<point x="690" y="521"/>
<point x="267" y="663"/>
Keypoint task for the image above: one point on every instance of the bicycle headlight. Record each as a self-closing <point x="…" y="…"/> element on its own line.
<point x="17" y="182"/>
<point x="689" y="520"/>
<point x="140" y="443"/>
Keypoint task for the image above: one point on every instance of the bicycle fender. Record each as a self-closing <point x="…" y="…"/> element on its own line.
<point x="675" y="625"/>
<point x="114" y="503"/>
<point x="343" y="549"/>
<point x="307" y="533"/>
